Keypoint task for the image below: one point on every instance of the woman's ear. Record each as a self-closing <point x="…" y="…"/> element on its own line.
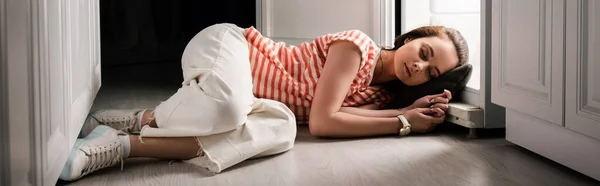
<point x="407" y="40"/>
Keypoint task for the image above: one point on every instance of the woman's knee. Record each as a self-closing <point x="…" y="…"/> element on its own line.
<point x="221" y="26"/>
<point x="214" y="44"/>
<point x="217" y="29"/>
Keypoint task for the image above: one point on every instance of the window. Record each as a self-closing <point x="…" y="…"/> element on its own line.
<point x="463" y="15"/>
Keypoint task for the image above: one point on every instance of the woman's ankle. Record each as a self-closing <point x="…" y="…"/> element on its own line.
<point x="148" y="119"/>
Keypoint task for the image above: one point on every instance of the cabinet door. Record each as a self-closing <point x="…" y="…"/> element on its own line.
<point x="582" y="66"/>
<point x="83" y="59"/>
<point x="72" y="68"/>
<point x="294" y="22"/>
<point x="527" y="57"/>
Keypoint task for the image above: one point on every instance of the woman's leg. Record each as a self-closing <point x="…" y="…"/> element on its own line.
<point x="172" y="148"/>
<point x="270" y="129"/>
<point x="176" y="148"/>
<point x="215" y="105"/>
<point x="148" y="119"/>
<point x="216" y="94"/>
<point x="105" y="147"/>
<point x="185" y="148"/>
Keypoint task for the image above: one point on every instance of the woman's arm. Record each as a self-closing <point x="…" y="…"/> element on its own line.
<point x="371" y="110"/>
<point x="326" y="117"/>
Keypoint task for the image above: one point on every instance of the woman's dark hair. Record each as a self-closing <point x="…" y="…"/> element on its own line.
<point x="462" y="50"/>
<point x="427" y="31"/>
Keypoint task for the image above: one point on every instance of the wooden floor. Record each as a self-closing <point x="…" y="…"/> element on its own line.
<point x="443" y="157"/>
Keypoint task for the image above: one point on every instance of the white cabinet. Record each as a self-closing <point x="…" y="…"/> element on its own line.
<point x="527" y="57"/>
<point x="582" y="112"/>
<point x="70" y="65"/>
<point x="51" y="52"/>
<point x="545" y="72"/>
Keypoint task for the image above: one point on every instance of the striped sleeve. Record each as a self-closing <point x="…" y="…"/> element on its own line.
<point x="360" y="39"/>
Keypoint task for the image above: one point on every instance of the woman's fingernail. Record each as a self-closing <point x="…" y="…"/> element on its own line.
<point x="430" y="100"/>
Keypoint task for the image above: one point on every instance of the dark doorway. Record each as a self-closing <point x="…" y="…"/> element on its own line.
<point x="398" y="17"/>
<point x="145" y="33"/>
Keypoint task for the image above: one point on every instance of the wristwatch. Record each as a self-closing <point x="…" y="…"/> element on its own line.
<point x="405" y="130"/>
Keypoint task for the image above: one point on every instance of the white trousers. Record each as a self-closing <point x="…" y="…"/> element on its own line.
<point x="217" y="106"/>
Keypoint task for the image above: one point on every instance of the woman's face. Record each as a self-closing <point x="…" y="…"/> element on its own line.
<point x="423" y="59"/>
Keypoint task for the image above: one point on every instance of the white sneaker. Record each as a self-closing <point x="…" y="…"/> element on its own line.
<point x="123" y="120"/>
<point x="100" y="149"/>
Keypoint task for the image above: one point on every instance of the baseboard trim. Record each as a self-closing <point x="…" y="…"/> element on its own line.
<point x="554" y="142"/>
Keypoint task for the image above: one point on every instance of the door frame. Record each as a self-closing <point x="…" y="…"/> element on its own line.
<point x="4" y="143"/>
<point x="20" y="98"/>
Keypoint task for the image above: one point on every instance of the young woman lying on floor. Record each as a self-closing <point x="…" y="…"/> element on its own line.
<point x="243" y="95"/>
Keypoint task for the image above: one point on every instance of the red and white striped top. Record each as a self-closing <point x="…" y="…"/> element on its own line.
<point x="289" y="74"/>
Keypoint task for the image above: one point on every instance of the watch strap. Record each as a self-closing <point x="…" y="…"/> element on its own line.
<point x="405" y="130"/>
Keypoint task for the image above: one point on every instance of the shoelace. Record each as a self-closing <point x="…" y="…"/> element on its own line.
<point x="104" y="156"/>
<point x="126" y="124"/>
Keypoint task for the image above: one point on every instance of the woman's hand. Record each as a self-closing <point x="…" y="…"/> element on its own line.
<point x="433" y="101"/>
<point x="424" y="119"/>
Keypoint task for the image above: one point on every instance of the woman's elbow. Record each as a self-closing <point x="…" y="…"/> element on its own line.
<point x="318" y="127"/>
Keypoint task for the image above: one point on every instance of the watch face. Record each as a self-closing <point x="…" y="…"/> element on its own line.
<point x="404" y="131"/>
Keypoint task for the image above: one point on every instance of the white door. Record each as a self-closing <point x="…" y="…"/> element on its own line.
<point x="527" y="57"/>
<point x="294" y="21"/>
<point x="582" y="110"/>
<point x="73" y="71"/>
<point x="51" y="50"/>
